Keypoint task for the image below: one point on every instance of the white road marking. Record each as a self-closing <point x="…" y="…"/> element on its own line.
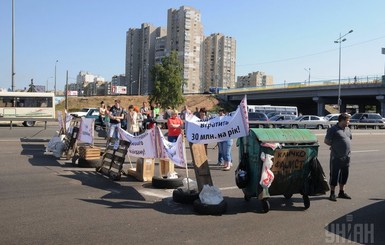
<point x="364" y="151"/>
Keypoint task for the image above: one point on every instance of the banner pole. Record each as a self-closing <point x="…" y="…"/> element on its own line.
<point x="185" y="161"/>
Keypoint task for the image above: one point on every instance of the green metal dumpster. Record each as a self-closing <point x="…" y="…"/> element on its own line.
<point x="297" y="148"/>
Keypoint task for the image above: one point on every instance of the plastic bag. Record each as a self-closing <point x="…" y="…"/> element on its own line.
<point x="59" y="148"/>
<point x="267" y="175"/>
<point x="172" y="175"/>
<point x="53" y="141"/>
<point x="192" y="184"/>
<point x="210" y="195"/>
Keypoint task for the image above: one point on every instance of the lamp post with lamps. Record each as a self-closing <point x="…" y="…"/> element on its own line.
<point x="308" y="70"/>
<point x="340" y="40"/>
<point x="55" y="77"/>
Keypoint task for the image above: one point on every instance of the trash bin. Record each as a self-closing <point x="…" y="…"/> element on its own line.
<point x="292" y="163"/>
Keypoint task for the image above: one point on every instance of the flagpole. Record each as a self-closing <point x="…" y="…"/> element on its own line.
<point x="185" y="161"/>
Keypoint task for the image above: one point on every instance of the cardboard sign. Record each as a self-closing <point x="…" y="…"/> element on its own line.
<point x="288" y="160"/>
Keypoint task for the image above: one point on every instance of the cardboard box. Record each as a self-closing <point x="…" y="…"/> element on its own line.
<point x="166" y="166"/>
<point x="144" y="170"/>
<point x="89" y="152"/>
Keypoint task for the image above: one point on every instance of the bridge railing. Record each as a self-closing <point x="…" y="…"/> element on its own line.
<point x="374" y="80"/>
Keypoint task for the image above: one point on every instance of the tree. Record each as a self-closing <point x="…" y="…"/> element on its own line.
<point x="168" y="82"/>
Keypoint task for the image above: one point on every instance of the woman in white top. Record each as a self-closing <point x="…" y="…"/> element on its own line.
<point x="132" y="121"/>
<point x="102" y="113"/>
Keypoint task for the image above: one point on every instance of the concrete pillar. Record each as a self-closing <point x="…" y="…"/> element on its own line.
<point x="361" y="108"/>
<point x="381" y="99"/>
<point x="343" y="107"/>
<point x="320" y="105"/>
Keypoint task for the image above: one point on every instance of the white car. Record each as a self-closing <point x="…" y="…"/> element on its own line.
<point x="309" y="121"/>
<point x="83" y="112"/>
<point x="328" y="116"/>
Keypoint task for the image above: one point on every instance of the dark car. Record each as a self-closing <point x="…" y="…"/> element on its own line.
<point x="372" y="120"/>
<point x="255" y="119"/>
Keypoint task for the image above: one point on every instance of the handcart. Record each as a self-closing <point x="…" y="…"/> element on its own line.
<point x="294" y="152"/>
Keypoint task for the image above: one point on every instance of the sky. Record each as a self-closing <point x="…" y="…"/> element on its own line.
<point x="285" y="39"/>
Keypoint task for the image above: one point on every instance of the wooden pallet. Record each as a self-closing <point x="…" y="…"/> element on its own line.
<point x="70" y="144"/>
<point x="113" y="160"/>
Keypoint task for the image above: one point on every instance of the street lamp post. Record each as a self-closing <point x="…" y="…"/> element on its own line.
<point x="339" y="41"/>
<point x="308" y="70"/>
<point x="55" y="77"/>
<point x="383" y="52"/>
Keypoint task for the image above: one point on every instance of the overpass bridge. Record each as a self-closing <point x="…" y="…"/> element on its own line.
<point x="311" y="98"/>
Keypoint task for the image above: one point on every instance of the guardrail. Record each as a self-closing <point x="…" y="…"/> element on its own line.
<point x="275" y="124"/>
<point x="15" y="119"/>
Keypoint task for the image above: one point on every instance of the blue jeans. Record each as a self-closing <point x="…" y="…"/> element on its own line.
<point x="172" y="139"/>
<point x="114" y="130"/>
<point x="224" y="148"/>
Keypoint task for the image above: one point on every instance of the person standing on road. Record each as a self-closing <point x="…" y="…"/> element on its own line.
<point x="224" y="148"/>
<point x="174" y="125"/>
<point x="116" y="115"/>
<point x="339" y="137"/>
<point x="102" y="113"/>
<point x="132" y="121"/>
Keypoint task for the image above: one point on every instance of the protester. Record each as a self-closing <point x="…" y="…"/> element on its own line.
<point x="203" y="116"/>
<point x="116" y="115"/>
<point x="107" y="121"/>
<point x="224" y="148"/>
<point x="196" y="112"/>
<point x="184" y="113"/>
<point x="339" y="137"/>
<point x="156" y="110"/>
<point x="143" y="110"/>
<point x="102" y="113"/>
<point x="174" y="125"/>
<point x="123" y="122"/>
<point x="133" y="120"/>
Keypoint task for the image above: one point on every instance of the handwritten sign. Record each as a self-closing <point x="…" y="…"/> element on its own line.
<point x="288" y="160"/>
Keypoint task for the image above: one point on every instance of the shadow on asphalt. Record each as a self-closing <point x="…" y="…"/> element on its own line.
<point x="364" y="226"/>
<point x="36" y="149"/>
<point x="115" y="190"/>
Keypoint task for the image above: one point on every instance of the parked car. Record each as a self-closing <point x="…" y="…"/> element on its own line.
<point x="368" y="119"/>
<point x="257" y="116"/>
<point x="94" y="113"/>
<point x="281" y="118"/>
<point x="309" y="121"/>
<point x="333" y="119"/>
<point x="328" y="116"/>
<point x="271" y="114"/>
<point x="83" y="112"/>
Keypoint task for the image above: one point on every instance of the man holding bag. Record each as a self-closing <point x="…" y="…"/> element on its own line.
<point x="339" y="137"/>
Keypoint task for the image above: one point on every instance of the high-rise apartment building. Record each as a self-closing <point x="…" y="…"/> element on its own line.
<point x="185" y="36"/>
<point x="140" y="57"/>
<point x="254" y="79"/>
<point x="219" y="61"/>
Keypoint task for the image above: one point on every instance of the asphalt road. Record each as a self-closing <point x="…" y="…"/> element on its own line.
<point x="44" y="200"/>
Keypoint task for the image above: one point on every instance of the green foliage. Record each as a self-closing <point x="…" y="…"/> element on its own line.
<point x="168" y="82"/>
